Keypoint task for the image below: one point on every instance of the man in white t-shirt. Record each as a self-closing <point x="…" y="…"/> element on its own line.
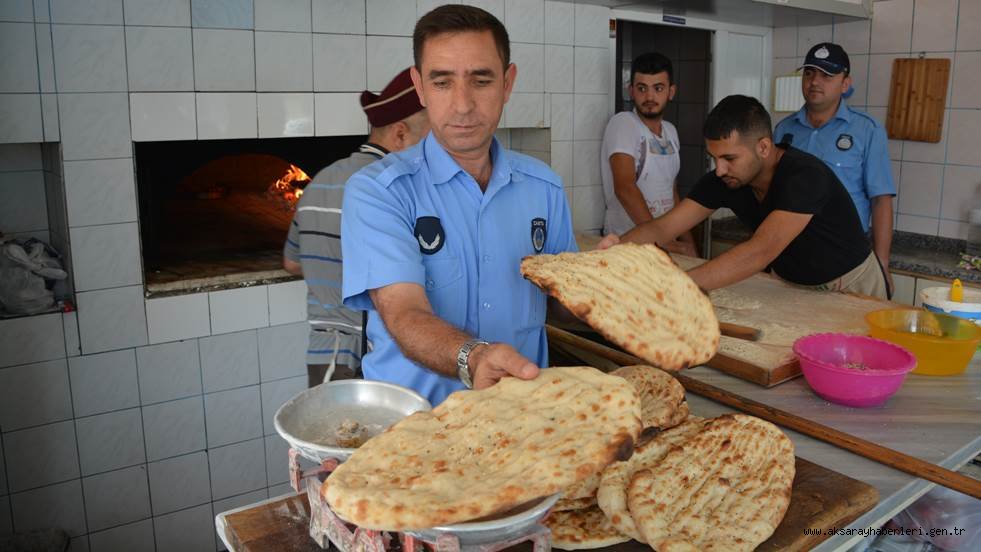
<point x="640" y="156"/>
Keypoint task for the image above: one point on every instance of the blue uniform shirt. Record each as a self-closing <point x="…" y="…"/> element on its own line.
<point x="854" y="145"/>
<point x="416" y="216"/>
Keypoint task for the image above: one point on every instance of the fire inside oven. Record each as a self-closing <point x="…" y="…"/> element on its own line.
<point x="217" y="212"/>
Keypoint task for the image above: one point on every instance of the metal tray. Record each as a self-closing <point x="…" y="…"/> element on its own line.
<point x="306" y="419"/>
<point x="493" y="530"/>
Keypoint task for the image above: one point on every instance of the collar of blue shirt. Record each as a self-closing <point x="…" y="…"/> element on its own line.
<point x="442" y="167"/>
<point x="843" y="113"/>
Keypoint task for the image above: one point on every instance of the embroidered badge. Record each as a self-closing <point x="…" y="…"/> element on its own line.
<point x="822" y="53"/>
<point x="844" y="142"/>
<point x="538" y="234"/>
<point x="429" y="234"/>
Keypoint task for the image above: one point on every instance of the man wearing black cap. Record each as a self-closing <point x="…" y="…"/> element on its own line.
<point x="313" y="247"/>
<point x="851" y="142"/>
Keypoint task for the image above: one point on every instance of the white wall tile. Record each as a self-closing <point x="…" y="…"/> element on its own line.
<point x="224" y="60"/>
<point x="283" y="351"/>
<point x="338" y="16"/>
<point x="101" y="191"/>
<point x="591" y="116"/>
<point x="954" y="229"/>
<point x="525" y="20"/>
<point x="785" y="41"/>
<point x="592" y="26"/>
<point x="966" y="83"/>
<point x="179" y="483"/>
<point x="111" y="319"/>
<point x="928" y="152"/>
<point x="588" y="208"/>
<point x="339" y="73"/>
<point x="110" y="441"/>
<point x="89" y="58"/>
<point x="169" y="371"/>
<point x="287" y="302"/>
<point x="387" y="57"/>
<point x="116" y="498"/>
<point x="810" y="34"/>
<point x="191" y="529"/>
<point x="238" y="468"/>
<point x="390" y="17"/>
<point x="558" y="68"/>
<point x="339" y="114"/>
<point x="34" y="394"/>
<point x="73" y="346"/>
<point x="919" y="225"/>
<point x="20" y="157"/>
<point x="174" y="428"/>
<point x="22" y="202"/>
<point x="106" y="256"/>
<point x="277" y="471"/>
<point x="592" y="68"/>
<point x="921" y="189"/>
<point x="31" y="339"/>
<point x="892" y="26"/>
<point x="104" y="382"/>
<point x="178" y="317"/>
<point x="20" y="118"/>
<point x="45" y="57"/>
<point x="880" y="77"/>
<point x="94" y="126"/>
<point x="18" y="65"/>
<point x="17" y="10"/>
<point x="961" y="138"/>
<point x="159" y="59"/>
<point x="283" y="15"/>
<point x="233" y="310"/>
<point x="49" y="117"/>
<point x="853" y="36"/>
<point x="934" y="26"/>
<point x="58" y="505"/>
<point x="167" y="13"/>
<point x="161" y="116"/>
<point x="282" y="115"/>
<point x="97" y="12"/>
<point x="559" y="22"/>
<point x="137" y="537"/>
<point x="903" y="289"/>
<point x="274" y="395"/>
<point x="40" y="456"/>
<point x="229" y="360"/>
<point x="562" y="162"/>
<point x="860" y="82"/>
<point x="530" y="62"/>
<point x="222" y="14"/>
<point x="233" y="416"/>
<point x="494" y="7"/>
<point x="42" y="11"/>
<point x="227" y="115"/>
<point x="524" y="110"/>
<point x="962" y="192"/>
<point x="562" y="116"/>
<point x="278" y="55"/>
<point x="969" y="26"/>
<point x="586" y="155"/>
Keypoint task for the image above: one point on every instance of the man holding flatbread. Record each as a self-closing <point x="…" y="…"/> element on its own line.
<point x="805" y="226"/>
<point x="433" y="236"/>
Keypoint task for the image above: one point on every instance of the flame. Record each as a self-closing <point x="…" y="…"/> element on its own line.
<point x="286" y="189"/>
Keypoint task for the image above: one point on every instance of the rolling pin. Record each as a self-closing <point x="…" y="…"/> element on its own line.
<point x="739" y="332"/>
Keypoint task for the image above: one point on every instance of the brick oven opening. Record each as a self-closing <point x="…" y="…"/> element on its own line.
<point x="214" y="214"/>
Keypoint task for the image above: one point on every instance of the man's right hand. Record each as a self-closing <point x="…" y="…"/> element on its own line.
<point x="490" y="363"/>
<point x="608" y="241"/>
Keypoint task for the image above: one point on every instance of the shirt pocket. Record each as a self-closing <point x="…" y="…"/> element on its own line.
<point x="848" y="167"/>
<point x="444" y="288"/>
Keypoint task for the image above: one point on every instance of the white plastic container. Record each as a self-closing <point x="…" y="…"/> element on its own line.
<point x="937" y="299"/>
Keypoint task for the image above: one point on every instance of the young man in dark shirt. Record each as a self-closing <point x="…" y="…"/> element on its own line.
<point x="805" y="226"/>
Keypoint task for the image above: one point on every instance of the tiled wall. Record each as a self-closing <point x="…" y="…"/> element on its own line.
<point x="23" y="204"/>
<point x="131" y="422"/>
<point x="938" y="183"/>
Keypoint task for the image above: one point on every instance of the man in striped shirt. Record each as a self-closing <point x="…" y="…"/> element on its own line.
<point x="313" y="247"/>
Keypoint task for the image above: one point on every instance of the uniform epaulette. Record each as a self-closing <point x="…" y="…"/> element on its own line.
<point x="392" y="166"/>
<point x="866" y="116"/>
<point x="530" y="166"/>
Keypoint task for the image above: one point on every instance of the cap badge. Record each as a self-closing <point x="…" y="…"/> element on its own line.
<point x="822" y="53"/>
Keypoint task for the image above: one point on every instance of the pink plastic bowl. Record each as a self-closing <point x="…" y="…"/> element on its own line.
<point x="824" y="359"/>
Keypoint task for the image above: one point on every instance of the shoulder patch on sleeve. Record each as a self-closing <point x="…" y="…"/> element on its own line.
<point x="528" y="165"/>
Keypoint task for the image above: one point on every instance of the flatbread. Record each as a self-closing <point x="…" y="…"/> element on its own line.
<point x="662" y="398"/>
<point x="611" y="496"/>
<point x="566" y="504"/>
<point x="484" y="452"/>
<point x="582" y="529"/>
<point x="725" y="488"/>
<point x="635" y="296"/>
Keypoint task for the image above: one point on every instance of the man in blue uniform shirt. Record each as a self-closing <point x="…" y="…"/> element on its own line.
<point x="433" y="236"/>
<point x="851" y="142"/>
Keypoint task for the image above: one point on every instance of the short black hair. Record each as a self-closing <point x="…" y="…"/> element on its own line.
<point x="743" y="114"/>
<point x="651" y="63"/>
<point x="457" y="18"/>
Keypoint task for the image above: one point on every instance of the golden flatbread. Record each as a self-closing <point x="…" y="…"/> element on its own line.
<point x="662" y="398"/>
<point x="635" y="296"/>
<point x="483" y="452"/>
<point x="566" y="504"/>
<point x="725" y="488"/>
<point x="582" y="529"/>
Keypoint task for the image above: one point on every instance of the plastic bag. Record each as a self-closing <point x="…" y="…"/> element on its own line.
<point x="945" y="518"/>
<point x="24" y="269"/>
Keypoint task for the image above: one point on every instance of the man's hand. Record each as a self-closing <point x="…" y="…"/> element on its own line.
<point x="608" y="241"/>
<point x="490" y="363"/>
<point x="681" y="247"/>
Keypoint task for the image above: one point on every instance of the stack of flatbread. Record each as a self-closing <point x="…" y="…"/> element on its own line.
<point x="635" y="296"/>
<point x="481" y="453"/>
<point x="707" y="484"/>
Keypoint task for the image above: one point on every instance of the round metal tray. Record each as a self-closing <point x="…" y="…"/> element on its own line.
<point x="302" y="419"/>
<point x="493" y="530"/>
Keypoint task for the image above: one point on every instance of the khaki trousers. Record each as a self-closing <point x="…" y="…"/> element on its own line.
<point x="865" y="279"/>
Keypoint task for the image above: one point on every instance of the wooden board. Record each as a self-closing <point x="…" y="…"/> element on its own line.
<point x="821" y="499"/>
<point x="917" y="97"/>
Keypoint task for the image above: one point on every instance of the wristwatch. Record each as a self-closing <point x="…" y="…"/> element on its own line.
<point x="463" y="361"/>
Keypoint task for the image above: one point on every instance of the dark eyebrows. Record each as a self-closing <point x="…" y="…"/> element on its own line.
<point x="438" y="73"/>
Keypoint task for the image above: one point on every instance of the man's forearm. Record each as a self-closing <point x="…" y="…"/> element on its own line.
<point x="427" y="339"/>
<point x="882" y="228"/>
<point x="649" y="232"/>
<point x="735" y="265"/>
<point x="633" y="202"/>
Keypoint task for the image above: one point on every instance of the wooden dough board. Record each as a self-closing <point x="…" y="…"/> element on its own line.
<point x="820" y="499"/>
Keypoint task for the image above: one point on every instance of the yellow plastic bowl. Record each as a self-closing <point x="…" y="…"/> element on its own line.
<point x="943" y="344"/>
